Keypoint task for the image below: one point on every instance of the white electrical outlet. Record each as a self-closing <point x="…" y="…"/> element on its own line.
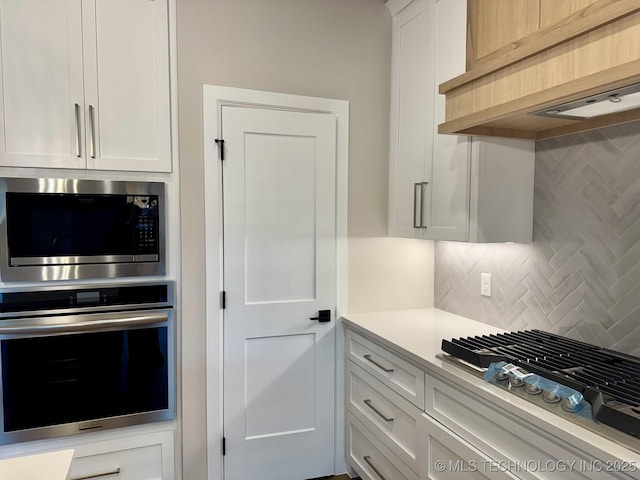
<point x="485" y="284"/>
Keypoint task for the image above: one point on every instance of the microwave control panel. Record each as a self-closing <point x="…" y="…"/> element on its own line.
<point x="146" y="224"/>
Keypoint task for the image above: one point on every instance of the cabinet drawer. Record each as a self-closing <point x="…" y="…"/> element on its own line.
<point x="145" y="457"/>
<point x="448" y="457"/>
<point x="507" y="438"/>
<point x="142" y="463"/>
<point x="370" y="458"/>
<point x="398" y="374"/>
<point x="392" y="418"/>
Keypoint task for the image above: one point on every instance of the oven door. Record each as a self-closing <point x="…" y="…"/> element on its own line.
<point x="71" y="374"/>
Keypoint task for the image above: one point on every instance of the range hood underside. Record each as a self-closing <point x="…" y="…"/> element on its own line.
<point x="593" y="51"/>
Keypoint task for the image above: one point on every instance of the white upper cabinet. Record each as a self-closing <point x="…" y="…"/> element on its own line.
<point x="85" y="84"/>
<point x="42" y="89"/>
<point x="444" y="187"/>
<point x="412" y="86"/>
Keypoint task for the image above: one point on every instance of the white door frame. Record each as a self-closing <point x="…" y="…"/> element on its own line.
<point x="214" y="97"/>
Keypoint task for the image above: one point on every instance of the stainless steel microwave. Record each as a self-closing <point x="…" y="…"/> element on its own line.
<point x="68" y="229"/>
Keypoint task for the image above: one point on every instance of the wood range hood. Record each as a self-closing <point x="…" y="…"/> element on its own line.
<point x="587" y="55"/>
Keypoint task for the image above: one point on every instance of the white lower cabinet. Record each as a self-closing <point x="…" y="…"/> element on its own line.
<point x="393" y="419"/>
<point x="142" y="457"/>
<point x="449" y="433"/>
<point x="399" y="375"/>
<point x="370" y="457"/>
<point x="447" y="457"/>
<point x="511" y="442"/>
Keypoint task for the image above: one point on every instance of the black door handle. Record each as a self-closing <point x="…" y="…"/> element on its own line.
<point x="323" y="316"/>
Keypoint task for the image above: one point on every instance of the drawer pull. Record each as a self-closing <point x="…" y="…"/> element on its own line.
<point x="381" y="367"/>
<point x="367" y="459"/>
<point x="369" y="404"/>
<point x="99" y="475"/>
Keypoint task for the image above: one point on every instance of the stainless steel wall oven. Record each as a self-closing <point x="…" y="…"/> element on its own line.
<point x="76" y="360"/>
<point x="68" y="229"/>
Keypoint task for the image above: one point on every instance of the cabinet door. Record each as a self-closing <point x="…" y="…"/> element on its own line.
<point x="496" y="23"/>
<point x="126" y="55"/>
<point x="370" y="457"/>
<point x="412" y="84"/>
<point x="448" y="457"/>
<point x="41" y="84"/>
<point x="142" y="457"/>
<point x="448" y="192"/>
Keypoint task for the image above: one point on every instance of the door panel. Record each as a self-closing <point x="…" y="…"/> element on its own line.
<point x="126" y="59"/>
<point x="280" y="367"/>
<point x="449" y="185"/>
<point x="411" y="118"/>
<point x="41" y="83"/>
<point x="279" y="271"/>
<point x="280" y="218"/>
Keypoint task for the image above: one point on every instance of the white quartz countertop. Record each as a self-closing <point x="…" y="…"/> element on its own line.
<point x="44" y="466"/>
<point x="417" y="335"/>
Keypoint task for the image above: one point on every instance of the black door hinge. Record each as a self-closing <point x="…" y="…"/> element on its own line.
<point x="224" y="446"/>
<point x="223" y="299"/>
<point x="220" y="144"/>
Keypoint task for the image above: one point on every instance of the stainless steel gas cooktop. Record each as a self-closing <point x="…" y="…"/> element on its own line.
<point x="609" y="381"/>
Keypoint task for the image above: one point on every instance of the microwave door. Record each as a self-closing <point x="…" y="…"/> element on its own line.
<point x="102" y="230"/>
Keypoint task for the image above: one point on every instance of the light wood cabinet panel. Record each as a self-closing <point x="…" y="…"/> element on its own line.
<point x="600" y="60"/>
<point x="582" y="48"/>
<point x="495" y="23"/>
<point x="553" y="11"/>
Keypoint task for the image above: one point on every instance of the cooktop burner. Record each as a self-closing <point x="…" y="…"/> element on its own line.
<point x="608" y="380"/>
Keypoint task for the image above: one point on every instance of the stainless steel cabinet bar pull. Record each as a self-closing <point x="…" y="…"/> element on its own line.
<point x="422" y="203"/>
<point x="92" y="127"/>
<point x="99" y="475"/>
<point x="367" y="459"/>
<point x="369" y="404"/>
<point x="417" y="217"/>
<point x="77" y="115"/>
<point x="381" y="367"/>
<point x="418" y="204"/>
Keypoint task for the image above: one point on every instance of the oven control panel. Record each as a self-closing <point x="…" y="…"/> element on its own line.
<point x="18" y="303"/>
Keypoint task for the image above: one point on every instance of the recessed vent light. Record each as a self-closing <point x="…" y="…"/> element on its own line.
<point x="626" y="98"/>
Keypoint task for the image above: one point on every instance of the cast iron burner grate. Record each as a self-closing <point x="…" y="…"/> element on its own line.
<point x="608" y="380"/>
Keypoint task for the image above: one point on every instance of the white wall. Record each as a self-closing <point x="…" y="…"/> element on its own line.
<point x="325" y="48"/>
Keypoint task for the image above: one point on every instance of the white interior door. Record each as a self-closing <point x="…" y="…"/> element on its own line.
<point x="279" y="271"/>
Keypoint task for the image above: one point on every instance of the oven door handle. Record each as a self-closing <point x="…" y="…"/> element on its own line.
<point x="80" y="323"/>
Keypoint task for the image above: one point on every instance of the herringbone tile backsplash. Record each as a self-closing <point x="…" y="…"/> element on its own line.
<point x="581" y="275"/>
